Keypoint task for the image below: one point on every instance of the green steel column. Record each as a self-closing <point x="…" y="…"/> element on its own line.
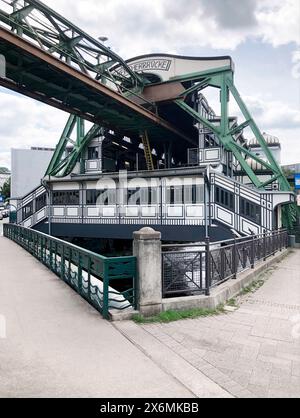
<point x="275" y="166"/>
<point x="79" y="139"/>
<point x="61" y="146"/>
<point x="224" y="106"/>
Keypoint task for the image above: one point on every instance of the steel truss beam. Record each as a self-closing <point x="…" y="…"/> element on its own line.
<point x="228" y="136"/>
<point x="55" y="35"/>
<point x="62" y="165"/>
<point x="34" y="21"/>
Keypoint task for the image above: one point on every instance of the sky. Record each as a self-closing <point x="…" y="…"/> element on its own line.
<point x="262" y="36"/>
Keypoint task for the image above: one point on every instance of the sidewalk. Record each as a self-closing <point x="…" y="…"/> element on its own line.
<point x="252" y="352"/>
<point x="57" y="345"/>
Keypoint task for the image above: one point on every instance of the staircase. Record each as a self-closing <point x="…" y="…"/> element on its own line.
<point x="148" y="152"/>
<point x="261" y="204"/>
<point x="33" y="208"/>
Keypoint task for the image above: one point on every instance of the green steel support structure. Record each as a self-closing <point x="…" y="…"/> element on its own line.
<point x="108" y="105"/>
<point x="62" y="166"/>
<point x="223" y="80"/>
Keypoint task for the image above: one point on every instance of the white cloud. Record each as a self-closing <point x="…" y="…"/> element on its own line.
<point x="279" y="21"/>
<point x="277" y="119"/>
<point x="290" y="144"/>
<point x="273" y="114"/>
<point x="26" y="123"/>
<point x="136" y="27"/>
<point x="296" y="64"/>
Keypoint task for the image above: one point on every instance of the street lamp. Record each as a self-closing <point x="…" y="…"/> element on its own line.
<point x="103" y="39"/>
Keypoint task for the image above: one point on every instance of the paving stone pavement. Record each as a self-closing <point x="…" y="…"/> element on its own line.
<point x="53" y="344"/>
<point x="254" y="351"/>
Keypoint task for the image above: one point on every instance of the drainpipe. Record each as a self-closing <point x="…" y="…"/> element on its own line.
<point x="48" y="189"/>
<point x="207" y="202"/>
<point x="205" y="206"/>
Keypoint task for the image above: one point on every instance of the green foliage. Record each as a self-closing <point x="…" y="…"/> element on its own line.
<point x="232" y="302"/>
<point x="4" y="170"/>
<point x="288" y="172"/>
<point x="5" y="190"/>
<point x="172" y="316"/>
<point x="252" y="288"/>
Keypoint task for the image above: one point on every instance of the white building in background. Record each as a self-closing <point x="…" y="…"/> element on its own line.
<point x="28" y="167"/>
<point x="273" y="144"/>
<point x="294" y="168"/>
<point x="261" y="171"/>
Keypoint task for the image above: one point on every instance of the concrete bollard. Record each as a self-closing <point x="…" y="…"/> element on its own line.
<point x="147" y="249"/>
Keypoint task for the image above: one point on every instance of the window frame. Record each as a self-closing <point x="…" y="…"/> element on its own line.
<point x="26" y="215"/>
<point x="64" y="202"/>
<point x="109" y="201"/>
<point x="41" y="202"/>
<point x="93" y="149"/>
<point x="250" y="211"/>
<point x="222" y="196"/>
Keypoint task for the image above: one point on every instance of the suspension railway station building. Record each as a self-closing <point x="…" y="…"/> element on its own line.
<point x="149" y="142"/>
<point x="184" y="187"/>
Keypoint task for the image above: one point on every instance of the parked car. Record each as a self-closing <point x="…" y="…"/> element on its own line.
<point x="1" y="216"/>
<point x="5" y="213"/>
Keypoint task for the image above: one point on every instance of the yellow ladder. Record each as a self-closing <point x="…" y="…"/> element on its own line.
<point x="147" y="151"/>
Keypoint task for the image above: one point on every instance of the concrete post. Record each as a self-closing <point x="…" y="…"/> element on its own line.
<point x="292" y="241"/>
<point x="147" y="249"/>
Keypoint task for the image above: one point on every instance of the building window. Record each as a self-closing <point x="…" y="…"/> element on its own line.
<point x="175" y="195"/>
<point x="224" y="198"/>
<point x="101" y="197"/>
<point x="134" y="197"/>
<point x="92" y="197"/>
<point x="27" y="210"/>
<point x="65" y="198"/>
<point x="250" y="210"/>
<point x="41" y="202"/>
<point x="93" y="153"/>
<point x="194" y="194"/>
<point x="149" y="196"/>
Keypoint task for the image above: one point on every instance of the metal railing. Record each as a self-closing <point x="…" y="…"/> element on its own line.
<point x="93" y="276"/>
<point x="296" y="232"/>
<point x="190" y="272"/>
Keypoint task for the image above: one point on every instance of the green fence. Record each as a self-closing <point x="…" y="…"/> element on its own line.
<point x="93" y="276"/>
<point x="296" y="232"/>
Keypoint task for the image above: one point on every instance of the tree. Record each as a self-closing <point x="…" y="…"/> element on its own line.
<point x="5" y="189"/>
<point x="288" y="172"/>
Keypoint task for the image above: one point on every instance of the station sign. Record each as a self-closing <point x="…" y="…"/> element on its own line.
<point x="297" y="181"/>
<point x="167" y="66"/>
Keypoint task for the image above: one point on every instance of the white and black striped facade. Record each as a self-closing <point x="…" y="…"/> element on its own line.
<point x="182" y="203"/>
